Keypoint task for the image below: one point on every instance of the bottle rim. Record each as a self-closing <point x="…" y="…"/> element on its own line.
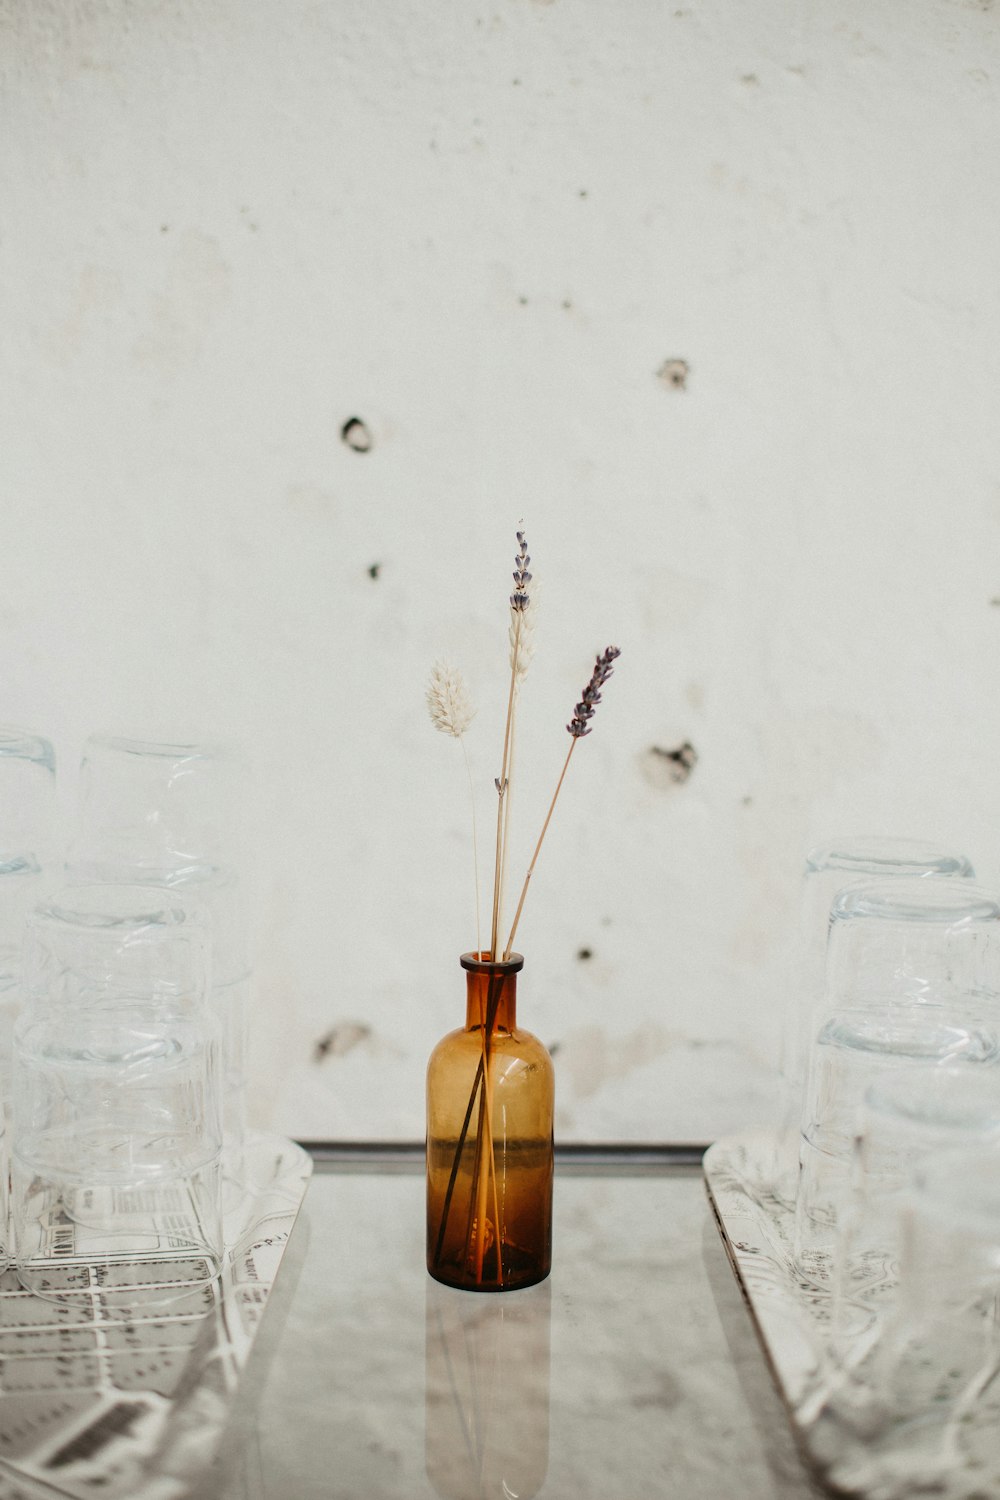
<point x="476" y="963"/>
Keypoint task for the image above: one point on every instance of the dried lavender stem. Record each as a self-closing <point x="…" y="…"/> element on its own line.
<point x="508" y="799"/>
<point x="502" y="792"/>
<point x="484" y="1134"/>
<point x="490" y="1175"/>
<point x="534" y="857"/>
<point x="475" y="844"/>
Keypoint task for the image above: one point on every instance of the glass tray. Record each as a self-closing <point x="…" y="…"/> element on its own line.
<point x="126" y="1396"/>
<point x="956" y="1460"/>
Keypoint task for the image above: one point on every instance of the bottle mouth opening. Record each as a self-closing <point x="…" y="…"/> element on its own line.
<point x="481" y="963"/>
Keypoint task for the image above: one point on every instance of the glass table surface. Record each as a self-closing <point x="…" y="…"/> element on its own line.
<point x="633" y="1371"/>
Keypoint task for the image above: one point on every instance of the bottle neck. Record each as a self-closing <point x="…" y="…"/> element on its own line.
<point x="491" y="992"/>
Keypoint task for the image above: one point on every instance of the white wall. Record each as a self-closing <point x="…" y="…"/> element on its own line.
<point x="228" y="227"/>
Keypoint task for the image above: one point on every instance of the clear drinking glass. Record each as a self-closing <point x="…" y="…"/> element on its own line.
<point x="116" y="1134"/>
<point x="156" y="808"/>
<point x="905" y="1118"/>
<point x="171" y="815"/>
<point x="830" y="868"/>
<point x="27" y="853"/>
<point x="912" y="978"/>
<point x="921" y="1406"/>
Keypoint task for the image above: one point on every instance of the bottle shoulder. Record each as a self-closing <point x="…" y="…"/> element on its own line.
<point x="509" y="1044"/>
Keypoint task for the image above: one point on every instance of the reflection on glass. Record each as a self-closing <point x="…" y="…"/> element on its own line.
<point x="488" y="1393"/>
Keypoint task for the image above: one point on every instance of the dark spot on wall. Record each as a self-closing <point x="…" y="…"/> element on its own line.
<point x="680" y="761"/>
<point x="750" y="79"/>
<point x="340" y="1039"/>
<point x="674" y="373"/>
<point x="567" y="304"/>
<point x="523" y="301"/>
<point x="553" y="1048"/>
<point x="164" y="228"/>
<point x="374" y="570"/>
<point x="747" y="801"/>
<point x="996" y="601"/>
<point x="516" y="82"/>
<point x="356" y="435"/>
<point x="665" y="1393"/>
<point x="583" y="193"/>
<point x="584" y="953"/>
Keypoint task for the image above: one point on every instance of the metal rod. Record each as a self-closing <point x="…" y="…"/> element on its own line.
<point x="626" y="1157"/>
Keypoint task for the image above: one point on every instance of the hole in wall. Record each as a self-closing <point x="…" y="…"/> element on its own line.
<point x="677" y="762"/>
<point x="340" y="1039"/>
<point x="356" y="435"/>
<point x="674" y="374"/>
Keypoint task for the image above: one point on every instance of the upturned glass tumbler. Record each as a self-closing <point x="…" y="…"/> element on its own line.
<point x="905" y="1118"/>
<point x="830" y="868"/>
<point x="172" y="815"/>
<point x="912" y="980"/>
<point x="116" y="1134"/>
<point x="27" y="855"/>
<point x="156" y="808"/>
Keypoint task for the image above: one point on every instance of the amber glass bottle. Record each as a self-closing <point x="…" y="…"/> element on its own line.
<point x="489" y="1142"/>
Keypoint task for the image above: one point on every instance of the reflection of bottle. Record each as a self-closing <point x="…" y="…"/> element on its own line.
<point x="489" y="1142"/>
<point x="488" y="1394"/>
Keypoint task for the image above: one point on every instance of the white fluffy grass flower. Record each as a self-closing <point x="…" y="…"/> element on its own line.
<point x="449" y="704"/>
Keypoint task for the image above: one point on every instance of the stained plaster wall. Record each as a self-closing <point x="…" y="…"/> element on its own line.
<point x="706" y="294"/>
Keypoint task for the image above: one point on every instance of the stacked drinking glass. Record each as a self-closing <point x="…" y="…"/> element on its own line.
<point x="169" y="816"/>
<point x="896" y="1209"/>
<point x="116" y="1141"/>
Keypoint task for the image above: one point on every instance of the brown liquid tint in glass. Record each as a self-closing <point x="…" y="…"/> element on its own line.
<point x="489" y="1213"/>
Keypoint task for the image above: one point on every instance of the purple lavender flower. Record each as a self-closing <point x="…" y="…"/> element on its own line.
<point x="579" y="725"/>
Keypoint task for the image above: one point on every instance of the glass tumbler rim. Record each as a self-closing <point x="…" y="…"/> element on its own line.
<point x="860" y="853"/>
<point x="162" y="749"/>
<point x="917" y="1031"/>
<point x="21" y="744"/>
<point x="113" y="907"/>
<point x="924" y="899"/>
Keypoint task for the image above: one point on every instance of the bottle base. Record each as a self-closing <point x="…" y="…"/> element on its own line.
<point x="516" y="1282"/>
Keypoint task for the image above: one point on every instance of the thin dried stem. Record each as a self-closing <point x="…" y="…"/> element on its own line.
<point x="519" y="602"/>
<point x="489" y="1176"/>
<point x="484" y="1173"/>
<point x="534" y="857"/>
<point x="578" y="727"/>
<point x="501" y="795"/>
<point x="475" y="841"/>
<point x="508" y="799"/>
